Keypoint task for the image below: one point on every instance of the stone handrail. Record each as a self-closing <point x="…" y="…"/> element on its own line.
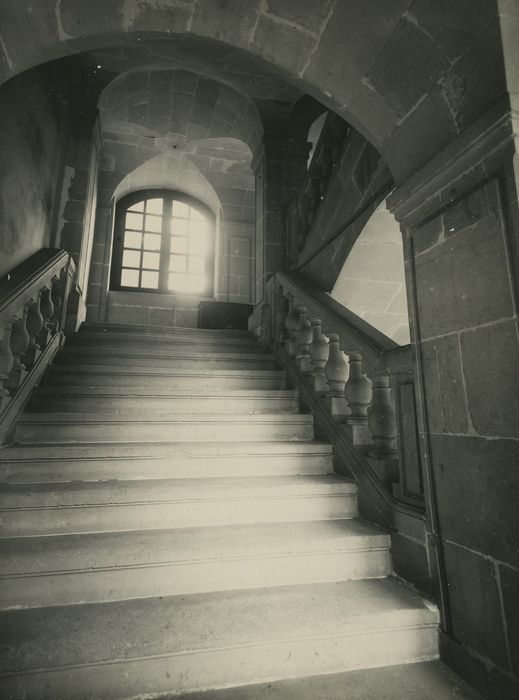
<point x="303" y="211"/>
<point x="361" y="378"/>
<point x="33" y="314"/>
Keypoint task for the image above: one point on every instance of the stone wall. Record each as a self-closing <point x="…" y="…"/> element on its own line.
<point x="128" y="165"/>
<point x="461" y="218"/>
<point x="33" y="125"/>
<point x="385" y="67"/>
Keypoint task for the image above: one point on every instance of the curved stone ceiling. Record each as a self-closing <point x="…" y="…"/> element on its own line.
<point x="168" y="171"/>
<point x="178" y="107"/>
<point x="409" y="75"/>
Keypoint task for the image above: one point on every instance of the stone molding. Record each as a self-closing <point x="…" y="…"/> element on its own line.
<point x="417" y="198"/>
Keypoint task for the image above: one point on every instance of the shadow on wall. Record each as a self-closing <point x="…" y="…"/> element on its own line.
<point x="372" y="280"/>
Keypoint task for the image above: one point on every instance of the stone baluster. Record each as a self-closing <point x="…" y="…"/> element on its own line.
<point x="336" y="372"/>
<point x="358" y="393"/>
<point x="304" y="338"/>
<point x="34" y="325"/>
<point x="292" y="325"/>
<point x="382" y="420"/>
<point x="47" y="312"/>
<point x="6" y="365"/>
<point x="57" y="300"/>
<point x="19" y="344"/>
<point x="319" y="352"/>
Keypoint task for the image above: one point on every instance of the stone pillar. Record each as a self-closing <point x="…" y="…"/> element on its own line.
<point x="460" y="223"/>
<point x="79" y="206"/>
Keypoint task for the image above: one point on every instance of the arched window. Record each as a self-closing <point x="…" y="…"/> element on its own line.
<point x="163" y="242"/>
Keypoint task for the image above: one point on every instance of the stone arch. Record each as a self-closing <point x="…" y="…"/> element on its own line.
<point x="167" y="171"/>
<point x="385" y="68"/>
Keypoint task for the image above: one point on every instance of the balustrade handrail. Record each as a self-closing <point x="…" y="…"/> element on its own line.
<point x="33" y="319"/>
<point x="337" y="317"/>
<point x="17" y="288"/>
<point x="355" y="374"/>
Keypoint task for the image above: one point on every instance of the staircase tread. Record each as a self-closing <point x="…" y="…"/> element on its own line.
<point x="123" y="450"/>
<point x="35" y="555"/>
<point x="88" y="493"/>
<point x="115" y="392"/>
<point x="162" y="330"/>
<point x="62" y="417"/>
<point x="115" y="369"/>
<point x="131" y="629"/>
<point x="152" y="353"/>
<point x="428" y="680"/>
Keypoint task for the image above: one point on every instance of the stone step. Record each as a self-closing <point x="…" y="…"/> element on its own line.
<point x="114" y="400"/>
<point x="102" y="461"/>
<point x="426" y="680"/>
<point x="141" y="343"/>
<point x="101" y="357"/>
<point x="79" y="507"/>
<point x="166" y="427"/>
<point x="152" y="332"/>
<point x="153" y="378"/>
<point x="178" y="644"/>
<point x="67" y="569"/>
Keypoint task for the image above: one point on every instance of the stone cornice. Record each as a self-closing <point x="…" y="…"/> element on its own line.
<point x="418" y="197"/>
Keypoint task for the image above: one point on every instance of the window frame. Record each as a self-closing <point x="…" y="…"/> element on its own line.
<point x="168" y="196"/>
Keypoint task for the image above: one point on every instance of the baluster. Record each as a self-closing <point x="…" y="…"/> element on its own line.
<point x="292" y="324"/>
<point x="382" y="420"/>
<point x="358" y="393"/>
<point x="19" y="344"/>
<point x="34" y="325"/>
<point x="6" y="365"/>
<point x="304" y="338"/>
<point x="47" y="311"/>
<point x="336" y="372"/>
<point x="57" y="300"/>
<point x="319" y="352"/>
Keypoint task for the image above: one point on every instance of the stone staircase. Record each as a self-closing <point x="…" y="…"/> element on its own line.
<point x="169" y="524"/>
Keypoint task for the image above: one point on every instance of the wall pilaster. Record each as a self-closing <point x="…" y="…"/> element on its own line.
<point x="460" y="224"/>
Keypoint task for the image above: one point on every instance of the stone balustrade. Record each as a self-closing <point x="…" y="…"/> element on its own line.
<point x="363" y="404"/>
<point x="33" y="302"/>
<point x="367" y="394"/>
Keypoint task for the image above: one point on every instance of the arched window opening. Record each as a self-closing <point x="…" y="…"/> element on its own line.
<point x="372" y="281"/>
<point x="163" y="242"/>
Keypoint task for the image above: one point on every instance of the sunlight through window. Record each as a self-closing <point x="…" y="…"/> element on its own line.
<point x="163" y="243"/>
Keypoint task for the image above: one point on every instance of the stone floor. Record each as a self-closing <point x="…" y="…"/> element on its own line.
<point x="432" y="680"/>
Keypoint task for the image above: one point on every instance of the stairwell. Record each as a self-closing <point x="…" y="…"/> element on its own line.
<point x="170" y="525"/>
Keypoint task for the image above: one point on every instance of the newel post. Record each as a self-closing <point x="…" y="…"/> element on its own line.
<point x="19" y="344"/>
<point x="280" y="314"/>
<point x="382" y="420"/>
<point x="6" y="365"/>
<point x="292" y="325"/>
<point x="358" y="393"/>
